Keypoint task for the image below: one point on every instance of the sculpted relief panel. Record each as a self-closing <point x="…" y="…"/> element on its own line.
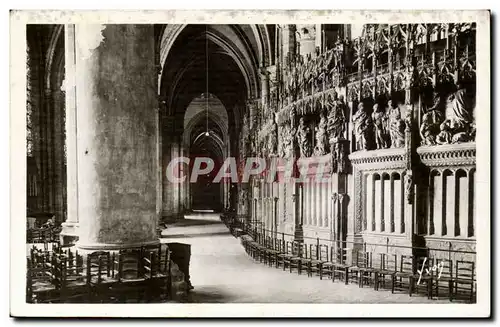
<point x="449" y="122"/>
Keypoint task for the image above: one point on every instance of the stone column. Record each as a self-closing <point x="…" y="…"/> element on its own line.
<point x="116" y="136"/>
<point x="70" y="226"/>
<point x="307" y="40"/>
<point x="289" y="43"/>
<point x="320" y="38"/>
<point x="264" y="80"/>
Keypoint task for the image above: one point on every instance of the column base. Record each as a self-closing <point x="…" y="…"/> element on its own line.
<point x="172" y="218"/>
<point x="69" y="233"/>
<point x="111" y="246"/>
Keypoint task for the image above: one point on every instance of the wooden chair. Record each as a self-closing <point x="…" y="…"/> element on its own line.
<point x="306" y="259"/>
<point x="156" y="278"/>
<point x="297" y="254"/>
<point x="422" y="280"/>
<point x="29" y="282"/>
<point x="130" y="278"/>
<point x="403" y="278"/>
<point x="39" y="287"/>
<point x="340" y="266"/>
<point x="99" y="276"/>
<point x="273" y="251"/>
<point x="327" y="268"/>
<point x="285" y="256"/>
<point x="464" y="280"/>
<point x="74" y="286"/>
<point x="319" y="255"/>
<point x="266" y="249"/>
<point x="442" y="278"/>
<point x="388" y="267"/>
<point x="35" y="236"/>
<point x="360" y="261"/>
<point x="43" y="281"/>
<point x="280" y="249"/>
<point x="365" y="267"/>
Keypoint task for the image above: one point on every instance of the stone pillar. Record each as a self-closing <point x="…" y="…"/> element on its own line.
<point x="264" y="79"/>
<point x="116" y="136"/>
<point x="320" y="38"/>
<point x="307" y="40"/>
<point x="289" y="44"/>
<point x="298" y="213"/>
<point x="159" y="166"/>
<point x="70" y="227"/>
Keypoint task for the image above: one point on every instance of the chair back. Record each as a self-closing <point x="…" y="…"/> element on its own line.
<point x="313" y="252"/>
<point x="99" y="265"/>
<point x="130" y="263"/>
<point x="465" y="270"/>
<point x="56" y="272"/>
<point x="29" y="281"/>
<point x="406" y="264"/>
<point x="424" y="263"/>
<point x="163" y="258"/>
<point x="304" y="251"/>
<point x="445" y="267"/>
<point x="323" y="252"/>
<point x="388" y="262"/>
<point x="363" y="259"/>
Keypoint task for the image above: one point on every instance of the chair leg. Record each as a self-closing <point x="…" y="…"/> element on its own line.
<point x="393" y="283"/>
<point x="320" y="271"/>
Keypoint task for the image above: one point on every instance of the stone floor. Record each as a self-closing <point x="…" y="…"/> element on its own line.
<point x="222" y="272"/>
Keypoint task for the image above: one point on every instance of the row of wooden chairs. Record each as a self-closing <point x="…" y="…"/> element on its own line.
<point x="402" y="272"/>
<point x="138" y="274"/>
<point x="43" y="235"/>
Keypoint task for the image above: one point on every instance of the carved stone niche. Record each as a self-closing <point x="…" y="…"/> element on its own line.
<point x="384" y="161"/>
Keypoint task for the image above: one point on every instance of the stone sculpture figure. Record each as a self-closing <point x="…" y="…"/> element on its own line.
<point x="430" y="127"/>
<point x="338" y="157"/>
<point x="396" y="126"/>
<point x="380" y="123"/>
<point x="286" y="142"/>
<point x="458" y="109"/>
<point x="243" y="197"/>
<point x="363" y="127"/>
<point x="454" y="125"/>
<point x="303" y="138"/>
<point x="321" y="137"/>
<point x="336" y="119"/>
<point x="272" y="141"/>
<point x="445" y="134"/>
<point x="409" y="187"/>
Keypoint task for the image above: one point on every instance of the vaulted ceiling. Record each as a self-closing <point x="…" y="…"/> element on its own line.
<point x="221" y="59"/>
